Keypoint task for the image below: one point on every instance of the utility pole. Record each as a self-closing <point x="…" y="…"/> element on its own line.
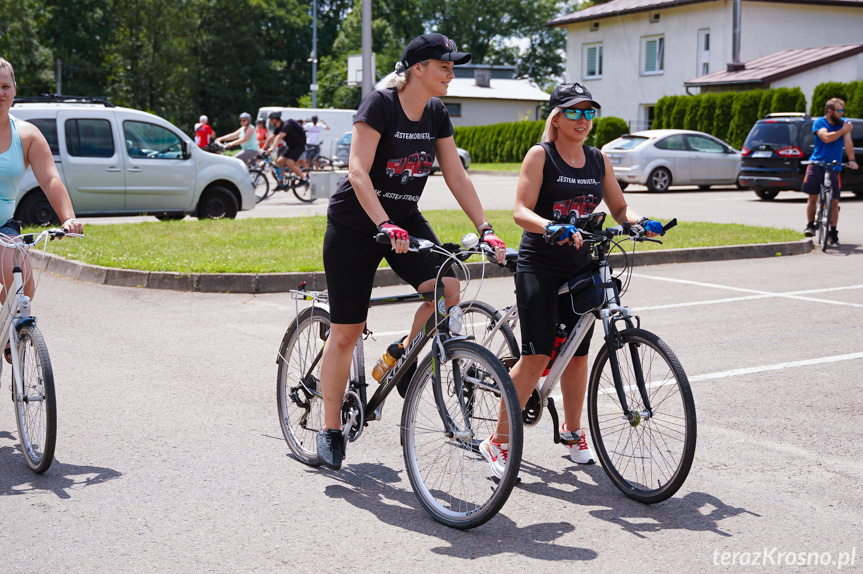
<point x="59" y="76"/>
<point x="314" y="57"/>
<point x="368" y="73"/>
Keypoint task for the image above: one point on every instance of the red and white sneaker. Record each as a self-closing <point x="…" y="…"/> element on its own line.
<point x="496" y="454"/>
<point x="576" y="443"/>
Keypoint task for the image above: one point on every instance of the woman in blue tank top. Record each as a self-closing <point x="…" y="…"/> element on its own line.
<point x="23" y="146"/>
<point x="559" y="176"/>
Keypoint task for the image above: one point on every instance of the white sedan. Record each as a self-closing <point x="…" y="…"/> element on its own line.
<point x="662" y="158"/>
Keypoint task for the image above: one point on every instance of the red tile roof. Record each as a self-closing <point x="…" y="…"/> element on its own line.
<point x="778" y="65"/>
<point x="620" y="7"/>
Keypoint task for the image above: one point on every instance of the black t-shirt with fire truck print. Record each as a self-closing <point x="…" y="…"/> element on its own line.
<point x="566" y="193"/>
<point x="402" y="161"/>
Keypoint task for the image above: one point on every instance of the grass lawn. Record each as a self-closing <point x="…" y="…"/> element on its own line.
<point x="506" y="167"/>
<point x="279" y="245"/>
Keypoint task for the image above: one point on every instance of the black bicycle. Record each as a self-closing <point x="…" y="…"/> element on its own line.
<point x="640" y="407"/>
<point x="452" y="401"/>
<point x="824" y="207"/>
<point x="284" y="180"/>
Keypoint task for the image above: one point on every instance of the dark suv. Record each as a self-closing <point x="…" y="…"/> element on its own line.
<point x="774" y="149"/>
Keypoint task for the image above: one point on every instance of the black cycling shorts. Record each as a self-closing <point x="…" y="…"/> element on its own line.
<point x="351" y="259"/>
<point x="292" y="152"/>
<point x="815" y="177"/>
<point x="540" y="309"/>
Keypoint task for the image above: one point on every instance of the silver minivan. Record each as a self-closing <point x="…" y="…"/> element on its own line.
<point x="120" y="161"/>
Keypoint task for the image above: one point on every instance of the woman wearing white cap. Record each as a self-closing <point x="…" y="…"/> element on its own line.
<point x="559" y="170"/>
<point x="243" y="138"/>
<point x="203" y="132"/>
<point x="402" y="123"/>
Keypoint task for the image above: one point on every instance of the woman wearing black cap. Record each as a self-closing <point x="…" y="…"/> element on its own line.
<point x="560" y="171"/>
<point x="397" y="133"/>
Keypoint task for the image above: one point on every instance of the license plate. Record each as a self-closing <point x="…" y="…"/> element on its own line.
<point x="762" y="154"/>
<point x="614" y="160"/>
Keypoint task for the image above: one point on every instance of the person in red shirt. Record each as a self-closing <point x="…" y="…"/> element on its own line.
<point x="204" y="134"/>
<point x="262" y="133"/>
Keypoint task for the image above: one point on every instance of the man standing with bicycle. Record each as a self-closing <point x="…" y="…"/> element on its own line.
<point x="831" y="133"/>
<point x="314" y="129"/>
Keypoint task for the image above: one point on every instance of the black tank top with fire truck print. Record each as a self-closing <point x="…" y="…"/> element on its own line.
<point x="566" y="193"/>
<point x="402" y="163"/>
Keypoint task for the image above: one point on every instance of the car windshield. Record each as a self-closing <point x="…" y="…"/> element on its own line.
<point x="771" y="134"/>
<point x="345" y="139"/>
<point x="627" y="142"/>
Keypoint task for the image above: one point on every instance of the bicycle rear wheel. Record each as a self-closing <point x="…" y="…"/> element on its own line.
<point x="452" y="480"/>
<point x="302" y="189"/>
<point x="261" y="184"/>
<point x="647" y="457"/>
<point x="298" y="383"/>
<point x="36" y="409"/>
<point x="479" y="319"/>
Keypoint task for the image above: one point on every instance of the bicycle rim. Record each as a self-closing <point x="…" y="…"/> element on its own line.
<point x="261" y="185"/>
<point x="301" y="408"/>
<point x="36" y="409"/>
<point x="479" y="319"/>
<point x="302" y="190"/>
<point x="453" y="482"/>
<point x="648" y="459"/>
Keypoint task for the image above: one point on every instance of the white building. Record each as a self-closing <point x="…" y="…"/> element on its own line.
<point x="481" y="95"/>
<point x="630" y="53"/>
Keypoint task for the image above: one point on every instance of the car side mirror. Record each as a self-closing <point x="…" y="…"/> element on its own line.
<point x="187" y="149"/>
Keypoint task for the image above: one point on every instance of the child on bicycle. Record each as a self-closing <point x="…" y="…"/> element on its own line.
<point x="403" y="118"/>
<point x="559" y="176"/>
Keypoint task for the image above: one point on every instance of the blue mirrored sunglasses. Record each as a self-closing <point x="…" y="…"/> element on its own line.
<point x="840" y="111"/>
<point x="574" y="113"/>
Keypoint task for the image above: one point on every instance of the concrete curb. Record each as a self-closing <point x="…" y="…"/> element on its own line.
<point x="281" y="282"/>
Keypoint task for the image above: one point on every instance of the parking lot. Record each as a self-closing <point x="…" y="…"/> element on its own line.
<point x="170" y="456"/>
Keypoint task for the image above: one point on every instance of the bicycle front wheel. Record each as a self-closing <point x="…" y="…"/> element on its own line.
<point x="647" y="456"/>
<point x="450" y="477"/>
<point x="479" y="320"/>
<point x="822" y="220"/>
<point x="298" y="383"/>
<point x="302" y="190"/>
<point x="261" y="184"/>
<point x="824" y="224"/>
<point x="36" y="408"/>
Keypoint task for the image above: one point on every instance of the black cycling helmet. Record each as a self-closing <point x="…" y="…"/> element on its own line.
<point x="275" y="115"/>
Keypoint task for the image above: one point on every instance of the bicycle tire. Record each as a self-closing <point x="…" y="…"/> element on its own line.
<point x="479" y="319"/>
<point x="323" y="163"/>
<point x="302" y="190"/>
<point x="36" y="410"/>
<point x="300" y="404"/>
<point x="261" y="184"/>
<point x="447" y="473"/>
<point x="820" y="219"/>
<point x="824" y="237"/>
<point x="650" y="460"/>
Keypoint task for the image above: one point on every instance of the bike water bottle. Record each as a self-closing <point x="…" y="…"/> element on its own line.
<point x="385" y="363"/>
<point x="559" y="337"/>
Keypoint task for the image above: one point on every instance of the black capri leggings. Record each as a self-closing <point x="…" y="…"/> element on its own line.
<point x="540" y="309"/>
<point x="351" y="259"/>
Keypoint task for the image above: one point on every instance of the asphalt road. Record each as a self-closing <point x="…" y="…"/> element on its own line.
<point x="170" y="457"/>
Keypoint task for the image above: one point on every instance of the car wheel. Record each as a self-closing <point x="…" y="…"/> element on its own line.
<point x="858" y="193"/>
<point x="659" y="180"/>
<point x="170" y="217"/>
<point x="623" y="184"/>
<point x="217" y="203"/>
<point x="462" y="163"/>
<point x="35" y="209"/>
<point x="405" y="178"/>
<point x="766" y="194"/>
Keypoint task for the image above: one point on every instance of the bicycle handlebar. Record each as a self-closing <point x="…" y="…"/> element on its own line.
<point x="832" y="165"/>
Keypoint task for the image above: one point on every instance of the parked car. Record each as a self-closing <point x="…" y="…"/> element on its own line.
<point x="343" y="152"/>
<point x="662" y="158"/>
<point x="776" y="146"/>
<point x="120" y="161"/>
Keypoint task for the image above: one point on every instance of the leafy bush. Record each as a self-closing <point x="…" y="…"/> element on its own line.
<point x="706" y="112"/>
<point x="744" y="114"/>
<point x="824" y="92"/>
<point x="608" y="129"/>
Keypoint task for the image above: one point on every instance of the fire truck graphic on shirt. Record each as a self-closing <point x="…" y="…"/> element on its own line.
<point x="569" y="210"/>
<point x="418" y="164"/>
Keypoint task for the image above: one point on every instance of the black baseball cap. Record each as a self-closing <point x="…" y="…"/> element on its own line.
<point x="566" y="95"/>
<point x="433" y="47"/>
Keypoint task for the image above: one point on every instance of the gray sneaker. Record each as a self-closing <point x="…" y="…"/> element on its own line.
<point x="331" y="448"/>
<point x="810" y="230"/>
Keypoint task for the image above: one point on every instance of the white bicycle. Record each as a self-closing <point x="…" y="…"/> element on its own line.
<point x="32" y="377"/>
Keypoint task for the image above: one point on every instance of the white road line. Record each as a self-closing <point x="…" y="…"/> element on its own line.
<point x="757" y="294"/>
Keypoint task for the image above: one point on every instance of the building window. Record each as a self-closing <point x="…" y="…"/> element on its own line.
<point x="654" y="54"/>
<point x="593" y="61"/>
<point x="454" y="110"/>
<point x="703" y="52"/>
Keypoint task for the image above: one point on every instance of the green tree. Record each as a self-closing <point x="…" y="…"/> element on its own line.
<point x="21" y="47"/>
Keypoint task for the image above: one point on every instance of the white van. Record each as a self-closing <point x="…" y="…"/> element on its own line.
<point x="120" y="161"/>
<point x="340" y="121"/>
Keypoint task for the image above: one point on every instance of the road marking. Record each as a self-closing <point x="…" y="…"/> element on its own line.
<point x="756" y="294"/>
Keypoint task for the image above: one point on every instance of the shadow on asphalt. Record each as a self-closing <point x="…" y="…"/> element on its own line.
<point x="695" y="511"/>
<point x="377" y="489"/>
<point x="17" y="478"/>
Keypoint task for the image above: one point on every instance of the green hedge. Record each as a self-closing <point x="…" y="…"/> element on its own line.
<point x="729" y="115"/>
<point x="852" y="93"/>
<point x="509" y="142"/>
